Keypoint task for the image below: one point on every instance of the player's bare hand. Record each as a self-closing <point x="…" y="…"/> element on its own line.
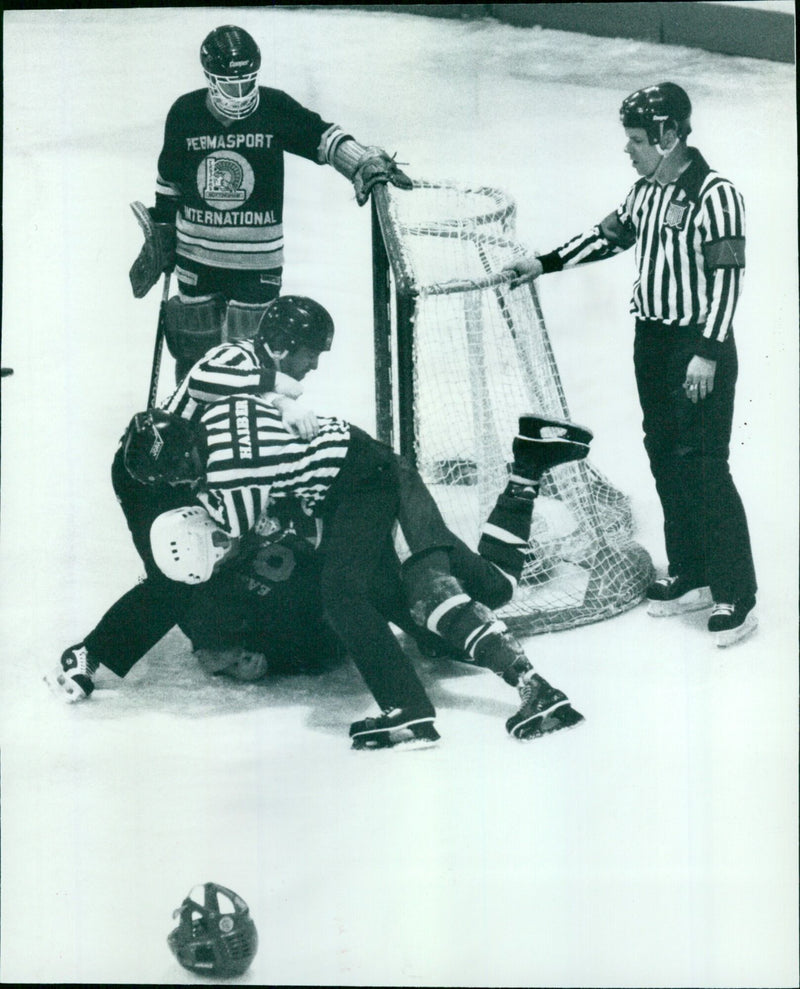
<point x="524" y="268"/>
<point x="300" y="420"/>
<point x="286" y="385"/>
<point x="699" y="378"/>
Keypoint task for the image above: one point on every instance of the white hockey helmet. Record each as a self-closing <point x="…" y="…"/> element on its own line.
<point x="187" y="544"/>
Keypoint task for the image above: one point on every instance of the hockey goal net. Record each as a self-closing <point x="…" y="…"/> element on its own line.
<point x="461" y="351"/>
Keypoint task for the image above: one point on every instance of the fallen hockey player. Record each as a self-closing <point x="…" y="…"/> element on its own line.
<point x="256" y="586"/>
<point x="359" y="488"/>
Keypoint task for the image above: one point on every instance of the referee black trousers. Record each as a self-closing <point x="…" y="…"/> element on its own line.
<point x="361" y="509"/>
<point x="688" y="444"/>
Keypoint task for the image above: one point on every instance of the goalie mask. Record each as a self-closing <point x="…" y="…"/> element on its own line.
<point x="187" y="545"/>
<point x="162" y="448"/>
<point x="294" y="321"/>
<point x="231" y="60"/>
<point x="215" y="934"/>
<point x="656" y="108"/>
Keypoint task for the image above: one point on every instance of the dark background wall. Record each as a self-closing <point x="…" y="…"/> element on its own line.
<point x="733" y="30"/>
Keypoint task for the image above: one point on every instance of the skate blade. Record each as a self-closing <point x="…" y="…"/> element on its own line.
<point x="533" y="426"/>
<point x="694" y="600"/>
<point x="422" y="737"/>
<point x="556" y="719"/>
<point x="733" y="635"/>
<point x="64" y="687"/>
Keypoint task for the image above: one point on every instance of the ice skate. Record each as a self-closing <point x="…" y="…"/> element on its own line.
<point x="543" y="443"/>
<point x="677" y="596"/>
<point x="543" y="427"/>
<point x="730" y="623"/>
<point x="72" y="679"/>
<point x="544" y="710"/>
<point x="394" y="727"/>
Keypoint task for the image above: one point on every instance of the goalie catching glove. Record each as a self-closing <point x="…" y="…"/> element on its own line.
<point x="157" y="253"/>
<point x="367" y="167"/>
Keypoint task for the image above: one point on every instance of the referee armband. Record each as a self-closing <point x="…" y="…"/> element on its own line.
<point x="726" y="253"/>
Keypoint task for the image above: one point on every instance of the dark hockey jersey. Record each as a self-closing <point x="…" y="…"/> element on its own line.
<point x="224" y="181"/>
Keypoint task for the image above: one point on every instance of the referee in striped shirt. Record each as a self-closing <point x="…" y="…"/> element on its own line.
<point x="686" y="224"/>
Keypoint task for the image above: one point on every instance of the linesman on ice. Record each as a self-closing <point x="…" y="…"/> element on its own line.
<point x="686" y="224"/>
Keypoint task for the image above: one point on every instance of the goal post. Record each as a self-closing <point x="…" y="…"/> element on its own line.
<point x="461" y="351"/>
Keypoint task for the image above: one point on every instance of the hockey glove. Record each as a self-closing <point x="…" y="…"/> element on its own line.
<point x="157" y="253"/>
<point x="377" y="168"/>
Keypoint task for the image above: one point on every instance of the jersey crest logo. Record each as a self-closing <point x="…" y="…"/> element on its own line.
<point x="225" y="179"/>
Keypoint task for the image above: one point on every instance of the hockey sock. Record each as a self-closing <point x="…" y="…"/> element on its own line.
<point x="504" y="535"/>
<point x="473" y="628"/>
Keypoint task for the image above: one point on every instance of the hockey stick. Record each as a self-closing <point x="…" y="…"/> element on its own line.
<point x="159" y="345"/>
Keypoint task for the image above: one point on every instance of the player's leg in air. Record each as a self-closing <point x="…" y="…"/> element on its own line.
<point x="451" y="590"/>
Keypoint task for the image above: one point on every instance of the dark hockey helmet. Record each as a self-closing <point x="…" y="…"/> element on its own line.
<point x="231" y="60"/>
<point x="656" y="108"/>
<point x="215" y="933"/>
<point x="159" y="447"/>
<point x="293" y="321"/>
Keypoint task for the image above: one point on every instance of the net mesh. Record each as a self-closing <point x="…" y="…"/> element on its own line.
<point x="481" y="358"/>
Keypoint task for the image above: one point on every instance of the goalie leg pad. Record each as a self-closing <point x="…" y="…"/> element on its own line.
<point x="191" y="329"/>
<point x="243" y="320"/>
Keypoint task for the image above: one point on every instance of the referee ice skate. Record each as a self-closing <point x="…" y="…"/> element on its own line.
<point x="686" y="224"/>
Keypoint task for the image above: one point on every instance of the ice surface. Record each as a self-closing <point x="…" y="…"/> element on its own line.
<point x="656" y="845"/>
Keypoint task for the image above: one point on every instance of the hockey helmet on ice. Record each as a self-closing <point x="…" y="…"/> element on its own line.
<point x="215" y="934"/>
<point x="657" y="108"/>
<point x="231" y="59"/>
<point x="187" y="544"/>
<point x="159" y="447"/>
<point x="293" y="321"/>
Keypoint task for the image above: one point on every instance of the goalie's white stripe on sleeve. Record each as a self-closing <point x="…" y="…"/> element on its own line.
<point x="164" y="188"/>
<point x="329" y="142"/>
<point x="489" y="529"/>
<point x="441" y="609"/>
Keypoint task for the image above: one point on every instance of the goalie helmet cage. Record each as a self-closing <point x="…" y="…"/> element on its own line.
<point x="461" y="351"/>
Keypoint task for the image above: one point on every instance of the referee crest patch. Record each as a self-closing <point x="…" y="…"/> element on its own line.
<point x="676" y="215"/>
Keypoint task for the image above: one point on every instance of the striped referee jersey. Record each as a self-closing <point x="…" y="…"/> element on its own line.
<point x="689" y="239"/>
<point x="227" y="369"/>
<point x="251" y="455"/>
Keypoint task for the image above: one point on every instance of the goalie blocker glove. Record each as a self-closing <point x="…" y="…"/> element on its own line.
<point x="157" y="254"/>
<point x="366" y="167"/>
